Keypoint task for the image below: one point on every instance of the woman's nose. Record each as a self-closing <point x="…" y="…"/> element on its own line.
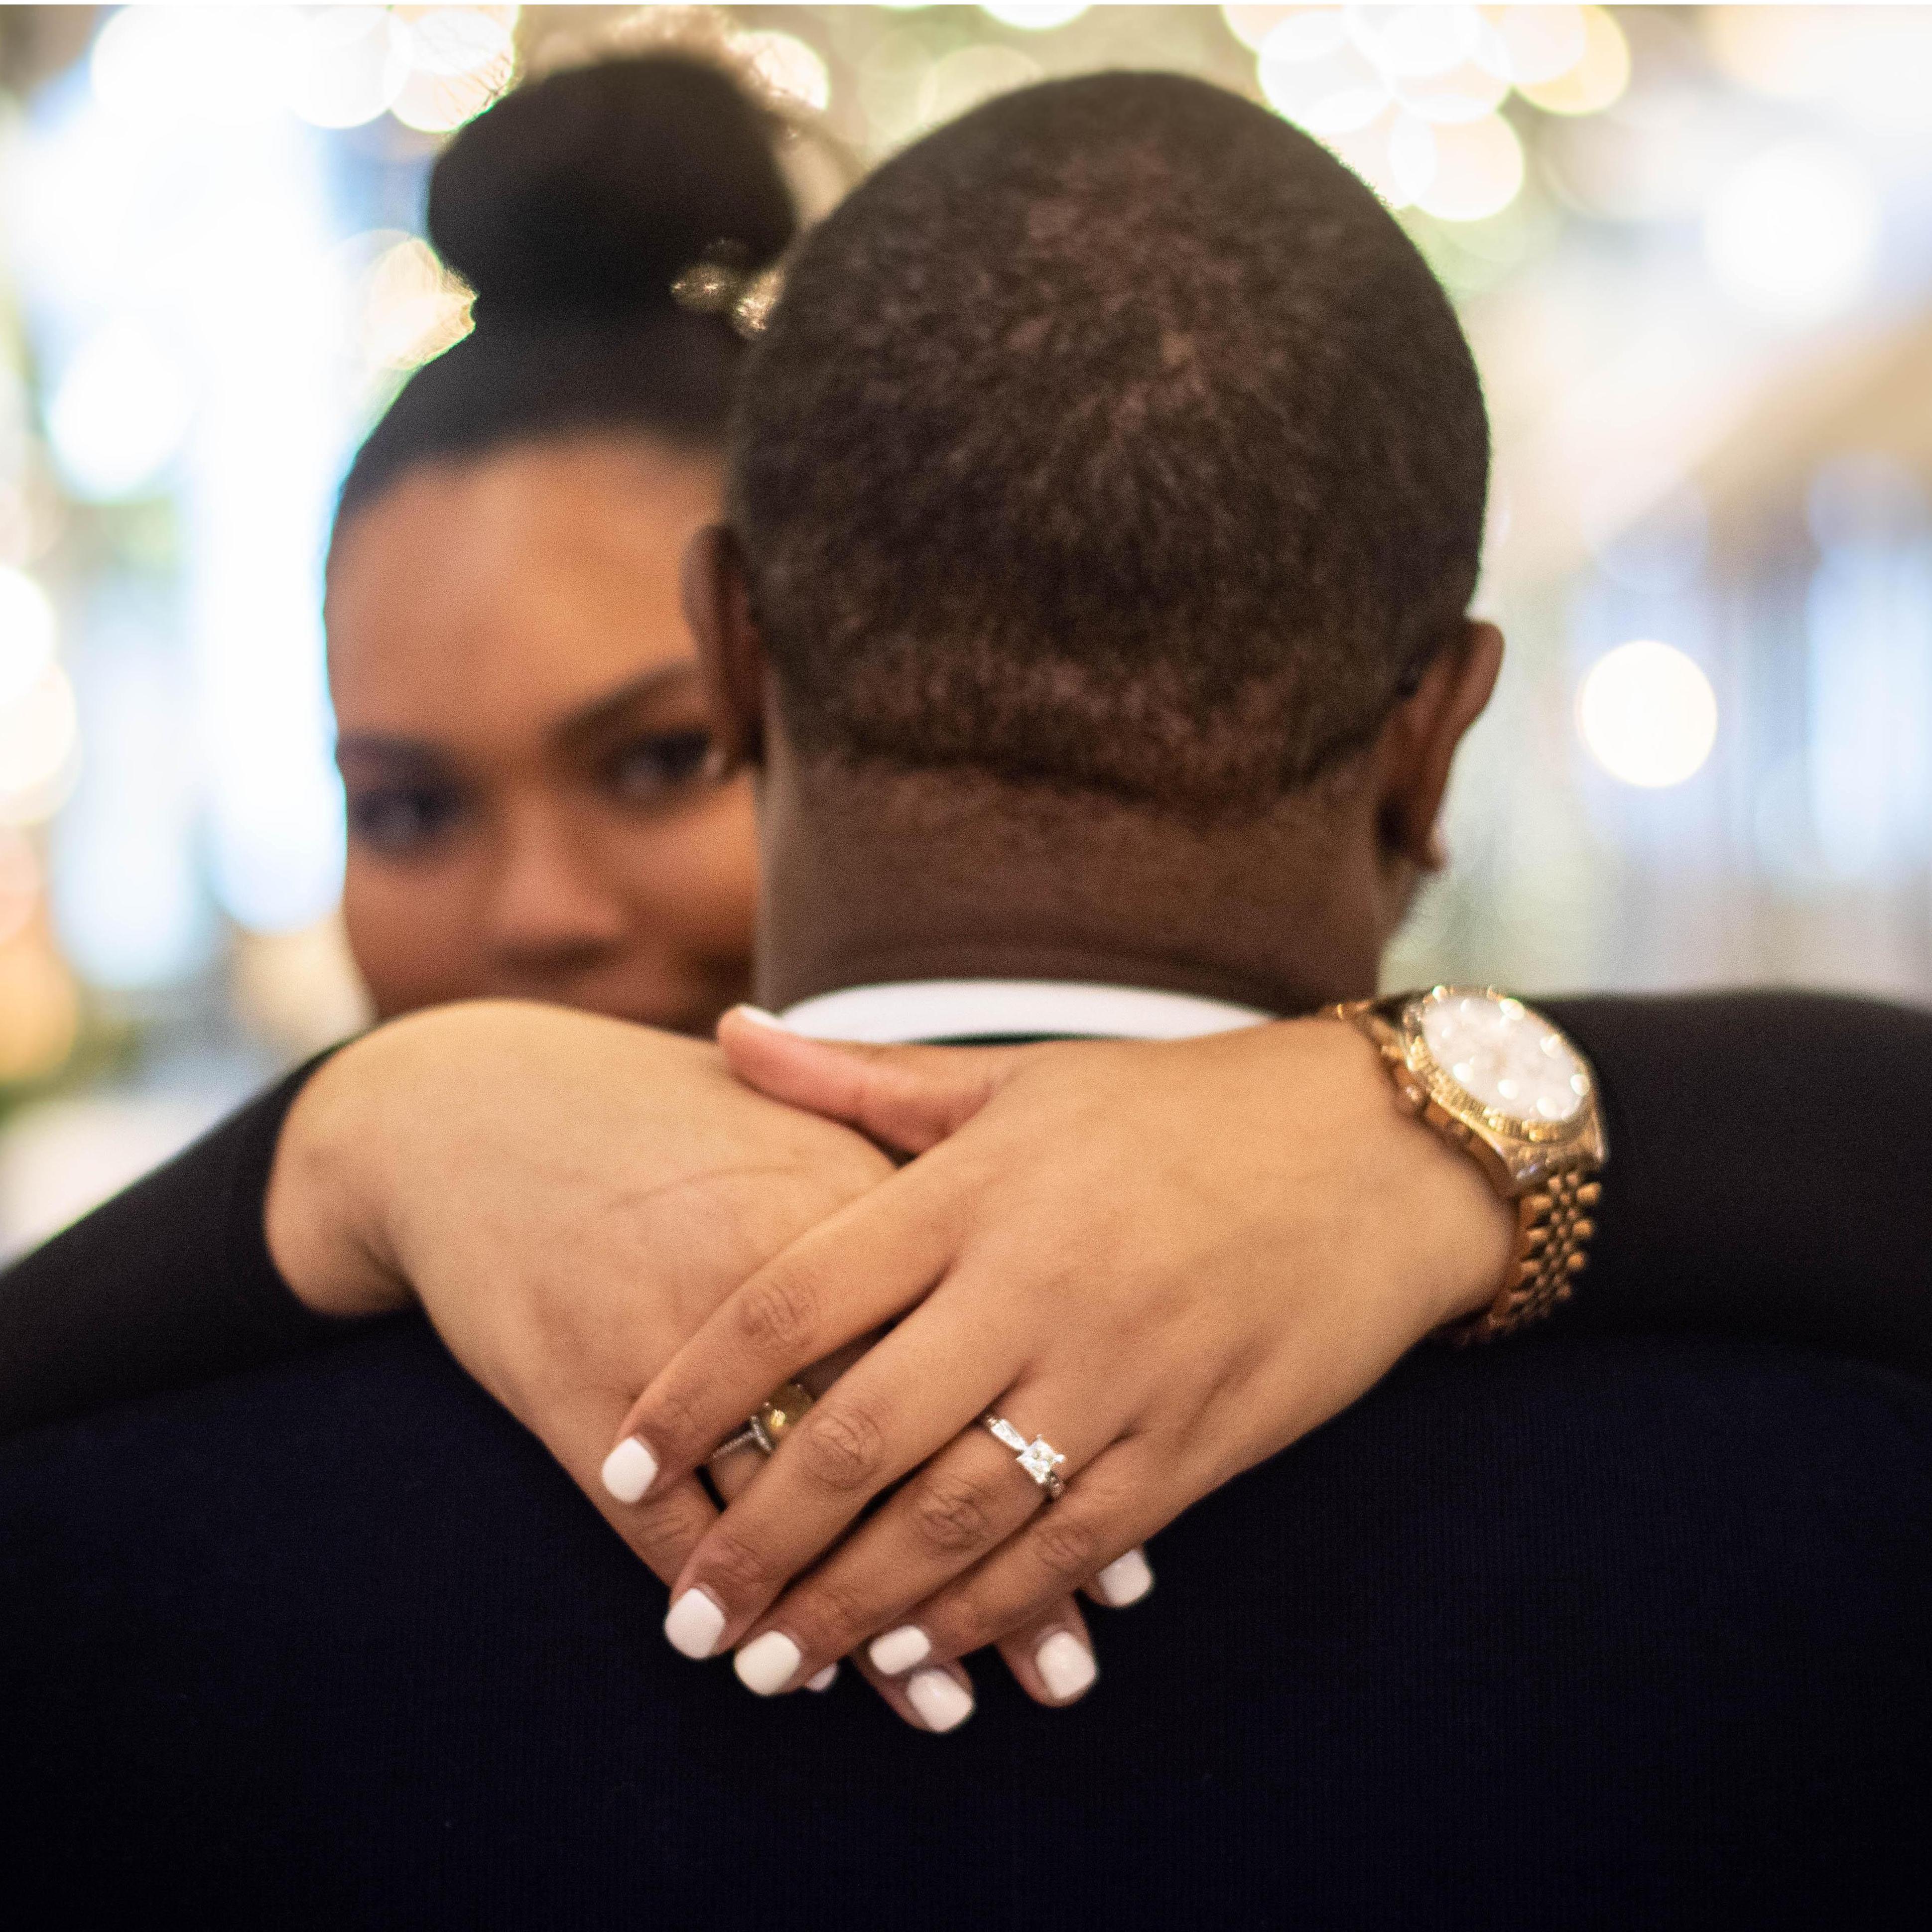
<point x="551" y="906"/>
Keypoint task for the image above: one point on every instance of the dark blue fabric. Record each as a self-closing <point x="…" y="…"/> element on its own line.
<point x="1581" y="1633"/>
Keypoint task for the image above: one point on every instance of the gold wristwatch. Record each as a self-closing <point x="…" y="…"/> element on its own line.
<point x="1495" y="1077"/>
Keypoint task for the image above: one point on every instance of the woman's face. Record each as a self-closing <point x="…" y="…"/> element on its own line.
<point x="522" y="737"/>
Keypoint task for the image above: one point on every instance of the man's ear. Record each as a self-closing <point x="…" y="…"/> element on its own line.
<point x="1417" y="744"/>
<point x="730" y="655"/>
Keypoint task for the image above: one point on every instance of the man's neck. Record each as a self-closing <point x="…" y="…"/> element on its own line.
<point x="885" y="879"/>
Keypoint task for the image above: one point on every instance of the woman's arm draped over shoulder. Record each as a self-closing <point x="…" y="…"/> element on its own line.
<point x="1771" y="1172"/>
<point x="170" y="1282"/>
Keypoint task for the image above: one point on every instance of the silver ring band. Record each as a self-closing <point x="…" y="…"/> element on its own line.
<point x="1038" y="1458"/>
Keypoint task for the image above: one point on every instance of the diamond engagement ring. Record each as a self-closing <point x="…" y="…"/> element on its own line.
<point x="769" y="1421"/>
<point x="1038" y="1458"/>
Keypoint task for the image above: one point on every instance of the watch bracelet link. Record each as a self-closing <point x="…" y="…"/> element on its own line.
<point x="1553" y="1220"/>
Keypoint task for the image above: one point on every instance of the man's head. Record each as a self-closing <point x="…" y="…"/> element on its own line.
<point x="1114" y="447"/>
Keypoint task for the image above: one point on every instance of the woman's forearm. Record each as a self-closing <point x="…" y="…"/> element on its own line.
<point x="170" y="1282"/>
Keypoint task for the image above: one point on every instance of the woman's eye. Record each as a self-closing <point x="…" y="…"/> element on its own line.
<point x="400" y="820"/>
<point x="656" y="767"/>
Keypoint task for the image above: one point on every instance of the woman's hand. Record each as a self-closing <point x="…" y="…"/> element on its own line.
<point x="568" y="1198"/>
<point x="1168" y="1260"/>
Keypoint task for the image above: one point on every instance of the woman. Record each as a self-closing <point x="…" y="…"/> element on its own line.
<point x="522" y="738"/>
<point x="542" y="824"/>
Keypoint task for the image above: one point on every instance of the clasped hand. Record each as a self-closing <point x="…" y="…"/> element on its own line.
<point x="1169" y="1261"/>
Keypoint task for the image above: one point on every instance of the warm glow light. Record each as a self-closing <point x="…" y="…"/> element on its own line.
<point x="791" y="70"/>
<point x="1478" y="168"/>
<point x="412" y="308"/>
<point x="166" y="65"/>
<point x="20" y="883"/>
<point x="38" y="745"/>
<point x="120" y="413"/>
<point x="958" y="83"/>
<point x="1408" y="42"/>
<point x="346" y="65"/>
<point x="1465" y="91"/>
<point x="1648" y="714"/>
<point x="1376" y="152"/>
<point x="1251" y="25"/>
<point x="1324" y="83"/>
<point x="459" y="40"/>
<point x="1041" y="16"/>
<point x="1592" y="82"/>
<point x="1794" y="233"/>
<point x="27" y="634"/>
<point x="1530" y="45"/>
<point x="435" y="103"/>
<point x="40" y="1011"/>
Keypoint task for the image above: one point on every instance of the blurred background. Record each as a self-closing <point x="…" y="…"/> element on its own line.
<point x="1692" y="247"/>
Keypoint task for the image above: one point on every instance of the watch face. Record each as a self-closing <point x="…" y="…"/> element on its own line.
<point x="1507" y="1058"/>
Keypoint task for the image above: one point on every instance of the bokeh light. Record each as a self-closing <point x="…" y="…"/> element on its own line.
<point x="1477" y="170"/>
<point x="40" y="1008"/>
<point x="1648" y="714"/>
<point x="346" y="65"/>
<point x="1336" y="71"/>
<point x="1531" y="46"/>
<point x="40" y="742"/>
<point x="119" y="414"/>
<point x="791" y="70"/>
<point x="1793" y="234"/>
<point x="1312" y="73"/>
<point x="1595" y="80"/>
<point x="20" y="883"/>
<point x="408" y="307"/>
<point x="1040" y="16"/>
<point x="958" y="83"/>
<point x="27" y="634"/>
<point x="1251" y="25"/>
<point x="158" y="67"/>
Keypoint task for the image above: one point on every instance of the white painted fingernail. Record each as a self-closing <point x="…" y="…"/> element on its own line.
<point x="824" y="1680"/>
<point x="695" y="1624"/>
<point x="758" y="1016"/>
<point x="628" y="1470"/>
<point x="942" y="1702"/>
<point x="900" y="1649"/>
<point x="1126" y="1580"/>
<point x="767" y="1663"/>
<point x="1066" y="1665"/>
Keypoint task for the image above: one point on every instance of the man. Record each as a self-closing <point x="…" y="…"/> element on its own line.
<point x="1105" y="515"/>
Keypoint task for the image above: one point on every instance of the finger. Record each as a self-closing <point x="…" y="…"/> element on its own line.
<point x="1051" y="1657"/>
<point x="1107" y="1511"/>
<point x="907" y="1097"/>
<point x="733" y="1473"/>
<point x="967" y="1501"/>
<point x="938" y="1698"/>
<point x="865" y="1266"/>
<point x="905" y="1400"/>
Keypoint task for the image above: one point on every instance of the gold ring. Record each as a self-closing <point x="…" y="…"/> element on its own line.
<point x="767" y="1425"/>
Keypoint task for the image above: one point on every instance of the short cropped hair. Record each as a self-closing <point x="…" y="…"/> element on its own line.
<point x="1113" y="437"/>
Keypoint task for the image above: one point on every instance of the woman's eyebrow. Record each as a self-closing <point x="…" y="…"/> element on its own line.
<point x="592" y="720"/>
<point x="391" y="748"/>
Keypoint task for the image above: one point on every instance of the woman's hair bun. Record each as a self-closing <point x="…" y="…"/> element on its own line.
<point x="593" y="189"/>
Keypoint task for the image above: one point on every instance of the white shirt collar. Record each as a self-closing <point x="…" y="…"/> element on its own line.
<point x="1007" y="1008"/>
